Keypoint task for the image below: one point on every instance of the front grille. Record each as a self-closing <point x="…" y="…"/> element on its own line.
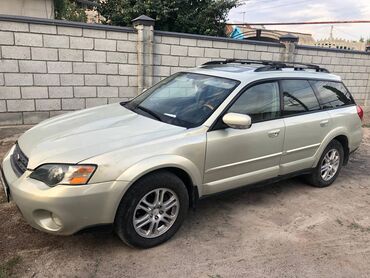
<point x="19" y="161"/>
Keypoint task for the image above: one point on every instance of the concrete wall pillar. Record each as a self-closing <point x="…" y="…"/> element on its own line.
<point x="145" y="42"/>
<point x="289" y="41"/>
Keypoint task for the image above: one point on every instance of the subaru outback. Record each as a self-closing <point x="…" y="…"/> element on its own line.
<point x="140" y="165"/>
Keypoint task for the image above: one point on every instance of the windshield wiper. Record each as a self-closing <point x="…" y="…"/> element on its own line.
<point x="150" y="112"/>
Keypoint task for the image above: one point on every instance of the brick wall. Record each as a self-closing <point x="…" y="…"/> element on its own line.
<point x="49" y="67"/>
<point x="46" y="70"/>
<point x="173" y="53"/>
<point x="353" y="67"/>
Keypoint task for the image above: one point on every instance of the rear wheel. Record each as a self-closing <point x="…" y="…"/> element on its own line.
<point x="329" y="166"/>
<point x="152" y="210"/>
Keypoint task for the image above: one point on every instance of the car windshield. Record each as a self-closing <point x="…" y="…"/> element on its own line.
<point x="183" y="99"/>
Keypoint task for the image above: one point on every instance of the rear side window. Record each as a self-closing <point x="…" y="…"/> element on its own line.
<point x="261" y="102"/>
<point x="332" y="94"/>
<point x="298" y="97"/>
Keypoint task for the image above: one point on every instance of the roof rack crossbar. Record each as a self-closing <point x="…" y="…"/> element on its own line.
<point x="269" y="65"/>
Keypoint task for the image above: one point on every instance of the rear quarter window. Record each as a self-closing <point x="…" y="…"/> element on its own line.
<point x="332" y="94"/>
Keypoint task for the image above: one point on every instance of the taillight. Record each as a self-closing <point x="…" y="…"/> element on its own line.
<point x="360" y="112"/>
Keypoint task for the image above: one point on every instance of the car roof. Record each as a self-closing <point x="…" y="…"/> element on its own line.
<point x="252" y="72"/>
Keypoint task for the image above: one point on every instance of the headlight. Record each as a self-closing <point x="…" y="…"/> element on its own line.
<point x="53" y="174"/>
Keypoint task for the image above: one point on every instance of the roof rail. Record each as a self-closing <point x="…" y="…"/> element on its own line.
<point x="268" y="65"/>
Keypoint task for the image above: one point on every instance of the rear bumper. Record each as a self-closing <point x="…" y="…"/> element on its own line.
<point x="63" y="209"/>
<point x="355" y="140"/>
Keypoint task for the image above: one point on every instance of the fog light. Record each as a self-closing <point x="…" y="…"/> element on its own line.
<point x="56" y="220"/>
<point x="47" y="220"/>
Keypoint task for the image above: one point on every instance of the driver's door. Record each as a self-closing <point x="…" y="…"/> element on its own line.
<point x="237" y="157"/>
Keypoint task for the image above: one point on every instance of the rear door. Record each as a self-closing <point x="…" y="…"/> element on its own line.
<point x="337" y="100"/>
<point x="306" y="125"/>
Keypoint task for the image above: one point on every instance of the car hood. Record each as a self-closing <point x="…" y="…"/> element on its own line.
<point x="77" y="136"/>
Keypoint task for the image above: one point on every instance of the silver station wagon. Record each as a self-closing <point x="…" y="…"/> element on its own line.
<point x="140" y="165"/>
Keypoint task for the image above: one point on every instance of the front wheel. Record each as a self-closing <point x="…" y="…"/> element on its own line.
<point x="152" y="210"/>
<point x="329" y="166"/>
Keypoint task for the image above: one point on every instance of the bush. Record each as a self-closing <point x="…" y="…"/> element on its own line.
<point x="69" y="10"/>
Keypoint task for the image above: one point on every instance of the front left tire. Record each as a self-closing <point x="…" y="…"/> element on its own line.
<point x="152" y="210"/>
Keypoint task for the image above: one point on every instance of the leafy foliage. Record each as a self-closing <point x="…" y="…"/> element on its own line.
<point x="69" y="10"/>
<point x="205" y="17"/>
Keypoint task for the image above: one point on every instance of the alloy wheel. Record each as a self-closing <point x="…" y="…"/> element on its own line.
<point x="156" y="212"/>
<point x="330" y="164"/>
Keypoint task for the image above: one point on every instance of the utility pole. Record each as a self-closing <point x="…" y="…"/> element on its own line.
<point x="244" y="12"/>
<point x="331" y="32"/>
<point x="243" y="15"/>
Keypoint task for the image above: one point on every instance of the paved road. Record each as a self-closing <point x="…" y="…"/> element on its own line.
<point x="284" y="230"/>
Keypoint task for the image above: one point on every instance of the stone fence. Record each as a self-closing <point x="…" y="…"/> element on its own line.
<point x="49" y="67"/>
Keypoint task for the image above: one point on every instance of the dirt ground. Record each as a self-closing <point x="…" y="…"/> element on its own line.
<point x="283" y="230"/>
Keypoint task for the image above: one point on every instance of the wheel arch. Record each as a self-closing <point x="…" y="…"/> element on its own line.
<point x="186" y="179"/>
<point x="343" y="140"/>
<point x="183" y="168"/>
<point x="340" y="135"/>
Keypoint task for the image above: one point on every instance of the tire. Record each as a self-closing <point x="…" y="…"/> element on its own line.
<point x="161" y="183"/>
<point x="316" y="178"/>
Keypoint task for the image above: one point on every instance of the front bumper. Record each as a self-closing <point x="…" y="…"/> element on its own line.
<point x="63" y="209"/>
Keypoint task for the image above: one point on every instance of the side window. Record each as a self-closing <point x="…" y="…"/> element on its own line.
<point x="261" y="102"/>
<point x="332" y="94"/>
<point x="298" y="97"/>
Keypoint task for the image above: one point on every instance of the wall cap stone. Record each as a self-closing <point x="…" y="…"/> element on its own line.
<point x="143" y="20"/>
<point x="64" y="23"/>
<point x="213" y="38"/>
<point x="325" y="49"/>
<point x="289" y="38"/>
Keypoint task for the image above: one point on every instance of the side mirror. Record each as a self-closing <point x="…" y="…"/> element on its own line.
<point x="237" y="121"/>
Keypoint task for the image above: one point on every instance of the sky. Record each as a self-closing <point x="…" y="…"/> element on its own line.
<point x="308" y="10"/>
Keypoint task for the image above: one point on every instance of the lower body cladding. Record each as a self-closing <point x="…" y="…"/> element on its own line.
<point x="63" y="209"/>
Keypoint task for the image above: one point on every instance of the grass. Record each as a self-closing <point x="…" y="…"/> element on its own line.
<point x="356" y="226"/>
<point x="339" y="221"/>
<point x="7" y="268"/>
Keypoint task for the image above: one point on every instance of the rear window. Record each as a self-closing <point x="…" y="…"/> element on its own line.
<point x="298" y="97"/>
<point x="332" y="94"/>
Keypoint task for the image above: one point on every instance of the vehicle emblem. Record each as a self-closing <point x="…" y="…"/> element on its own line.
<point x="18" y="157"/>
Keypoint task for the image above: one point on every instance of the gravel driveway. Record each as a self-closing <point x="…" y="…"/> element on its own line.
<point x="283" y="230"/>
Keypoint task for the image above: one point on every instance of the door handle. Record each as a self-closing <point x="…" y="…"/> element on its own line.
<point x="274" y="133"/>
<point x="324" y="123"/>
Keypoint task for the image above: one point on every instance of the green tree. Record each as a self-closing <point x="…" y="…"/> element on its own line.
<point x="206" y="17"/>
<point x="69" y="10"/>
